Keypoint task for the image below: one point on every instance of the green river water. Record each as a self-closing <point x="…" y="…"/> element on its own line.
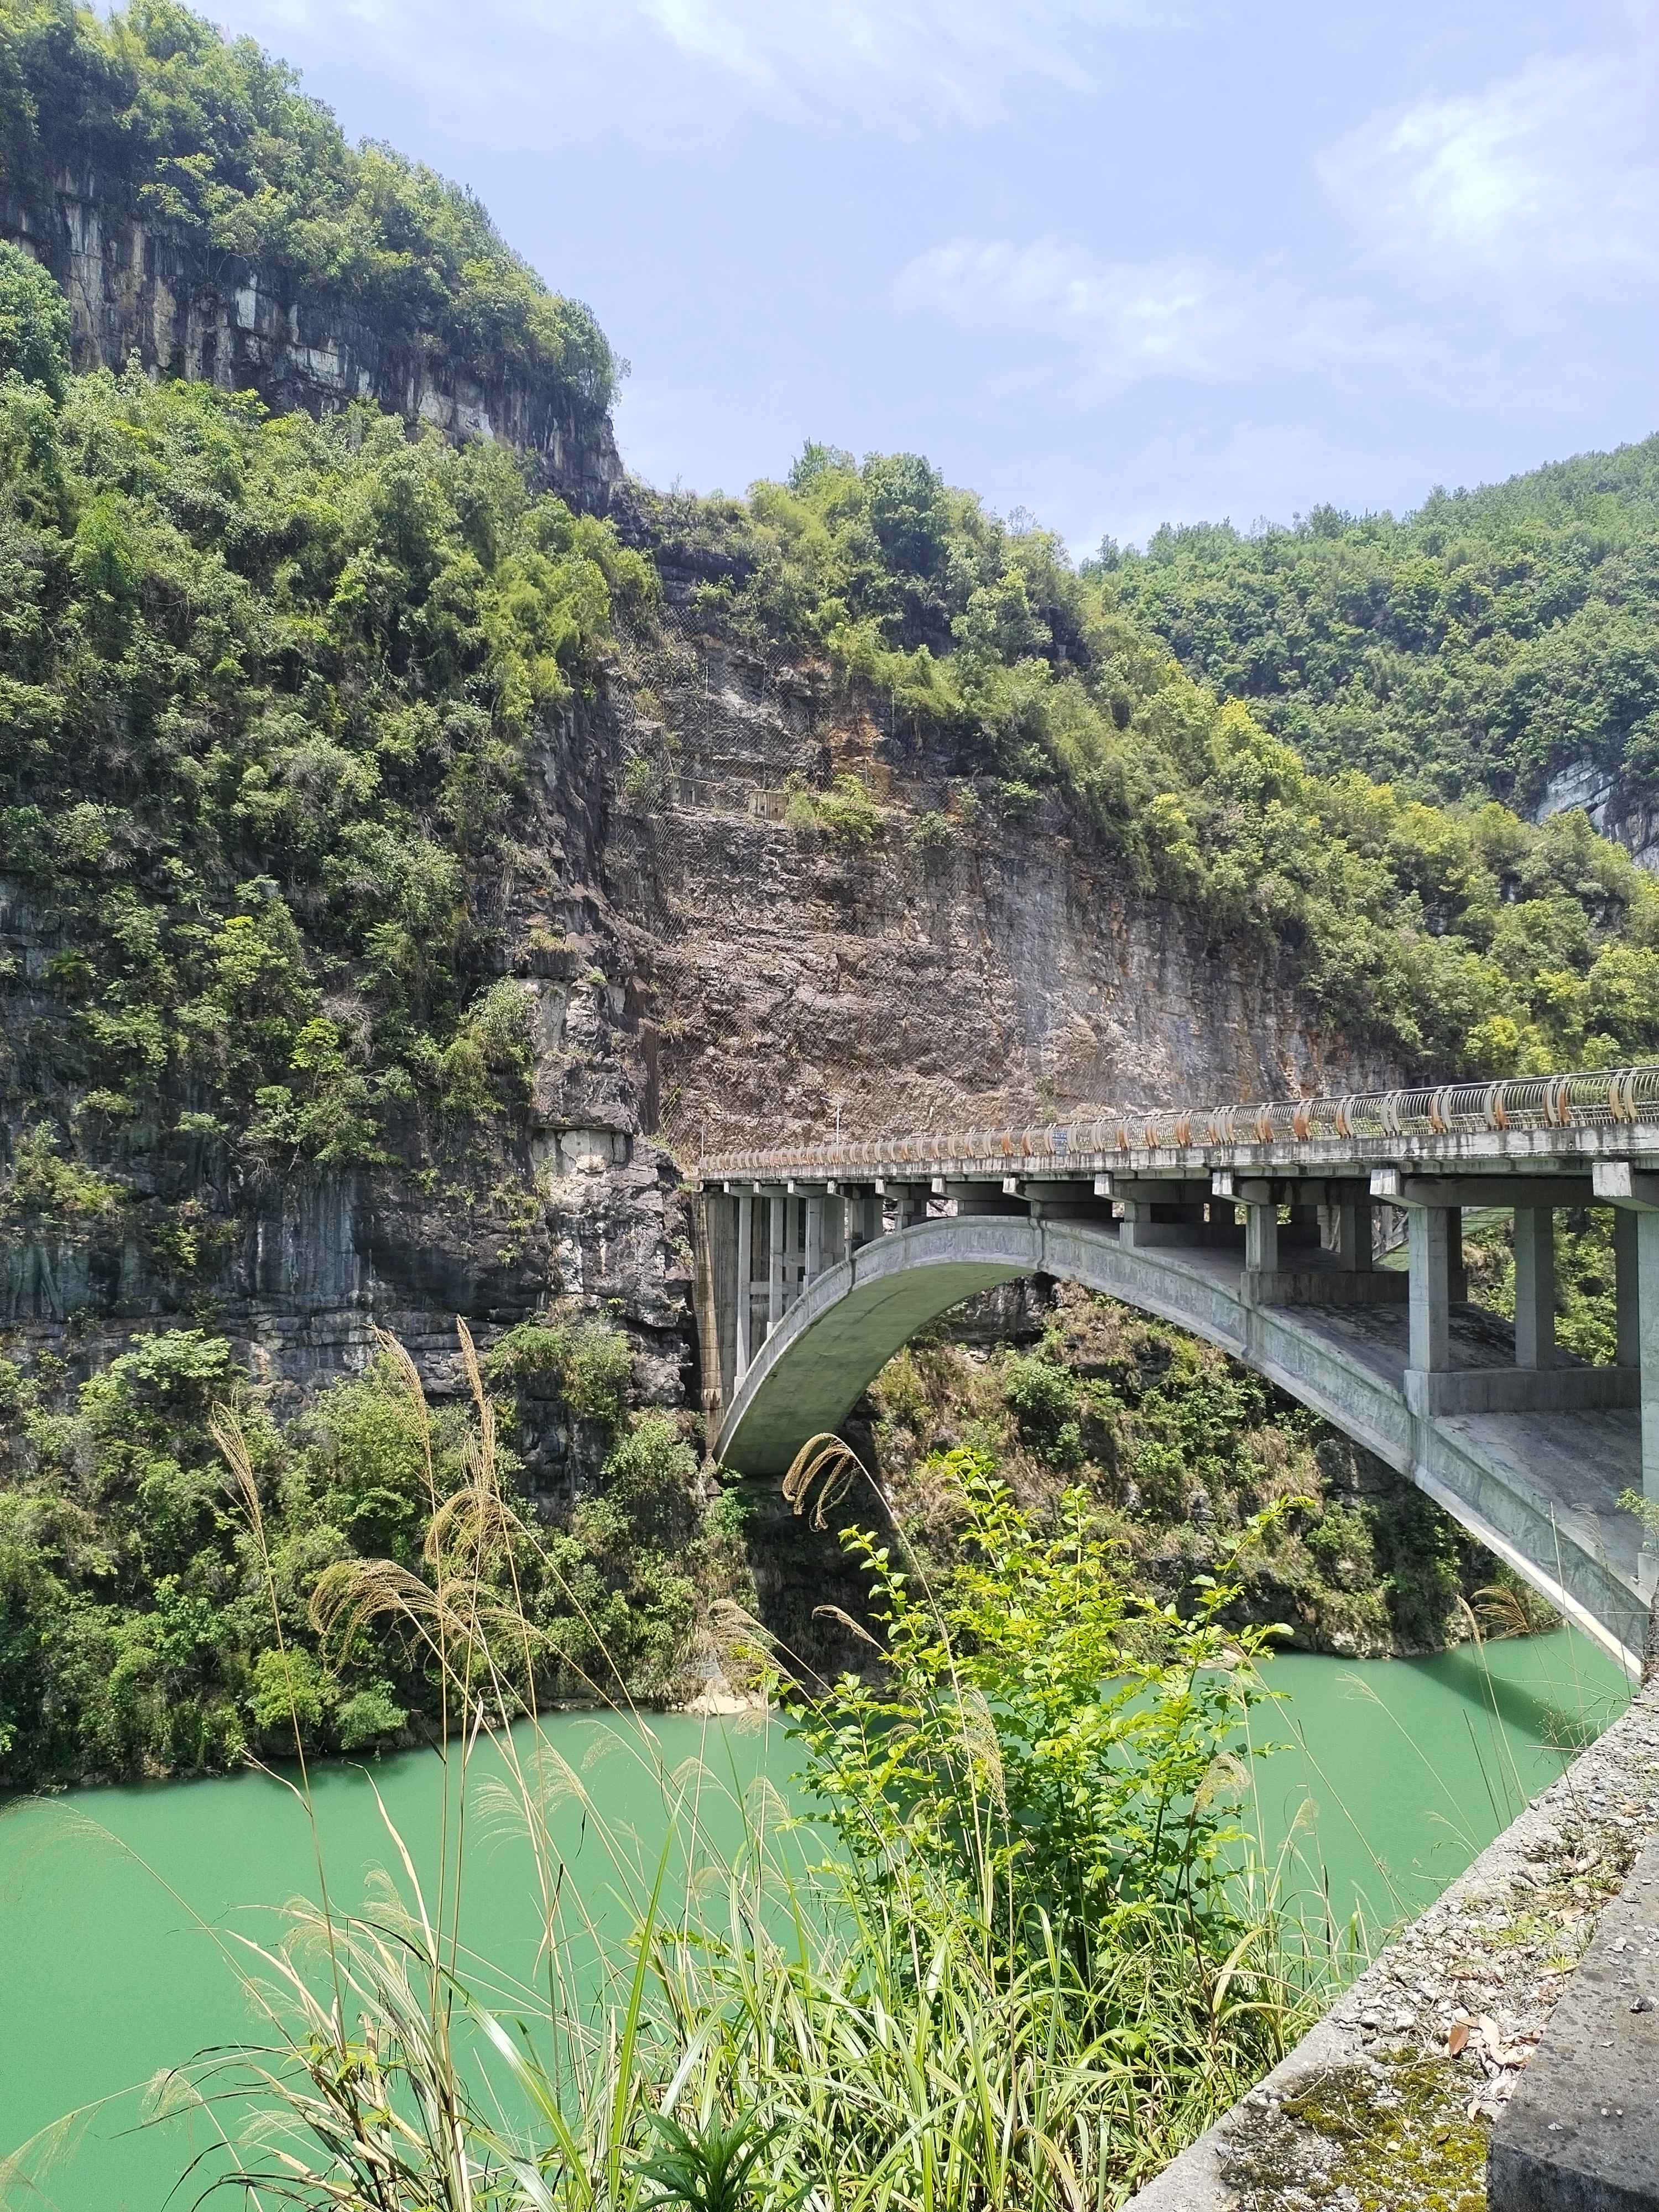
<point x="116" y="1904"/>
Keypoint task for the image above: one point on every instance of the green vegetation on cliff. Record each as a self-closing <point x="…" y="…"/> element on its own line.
<point x="1457" y="937"/>
<point x="180" y="126"/>
<point x="1178" y="1449"/>
<point x="266" y="690"/>
<point x="1473" y="649"/>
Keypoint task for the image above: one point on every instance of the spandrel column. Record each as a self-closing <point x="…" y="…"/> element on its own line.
<point x="778" y="1228"/>
<point x="745" y="1313"/>
<point x="1429" y="1244"/>
<point x="1534" y="1287"/>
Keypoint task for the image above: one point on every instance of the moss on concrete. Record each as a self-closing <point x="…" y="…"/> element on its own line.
<point x="1387" y="2134"/>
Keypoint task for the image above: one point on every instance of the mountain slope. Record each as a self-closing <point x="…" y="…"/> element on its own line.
<point x="202" y="213"/>
<point x="405" y="872"/>
<point x="1502" y="642"/>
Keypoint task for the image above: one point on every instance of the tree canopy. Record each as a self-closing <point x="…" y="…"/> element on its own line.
<point x="266" y="689"/>
<point x="180" y="125"/>
<point x="1473" y="649"/>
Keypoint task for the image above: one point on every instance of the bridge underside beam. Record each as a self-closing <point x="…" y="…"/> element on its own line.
<point x="830" y="1368"/>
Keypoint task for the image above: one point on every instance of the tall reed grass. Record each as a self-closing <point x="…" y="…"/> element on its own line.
<point x="1012" y="1945"/>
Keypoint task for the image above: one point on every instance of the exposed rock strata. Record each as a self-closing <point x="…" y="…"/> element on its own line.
<point x="1614" y="811"/>
<point x="702" y="972"/>
<point x="152" y="291"/>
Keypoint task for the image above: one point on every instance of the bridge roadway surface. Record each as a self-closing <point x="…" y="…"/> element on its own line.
<point x="1529" y="1449"/>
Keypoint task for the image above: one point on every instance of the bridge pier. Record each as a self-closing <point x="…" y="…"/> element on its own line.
<point x="1534" y="1287"/>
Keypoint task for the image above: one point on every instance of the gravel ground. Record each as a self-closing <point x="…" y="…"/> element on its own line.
<point x="1386" y="2106"/>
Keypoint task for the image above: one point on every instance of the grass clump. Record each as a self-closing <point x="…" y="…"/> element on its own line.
<point x="1018" y="1948"/>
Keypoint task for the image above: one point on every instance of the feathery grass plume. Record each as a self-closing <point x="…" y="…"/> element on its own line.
<point x="1013" y="1946"/>
<point x="830" y="1463"/>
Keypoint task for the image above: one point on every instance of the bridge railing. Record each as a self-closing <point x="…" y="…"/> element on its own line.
<point x="1602" y="1098"/>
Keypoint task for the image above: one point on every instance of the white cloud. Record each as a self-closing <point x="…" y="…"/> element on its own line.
<point x="1137" y="319"/>
<point x="1549" y="172"/>
<point x="925" y="55"/>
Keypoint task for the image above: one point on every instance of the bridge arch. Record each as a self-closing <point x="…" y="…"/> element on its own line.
<point x="1537" y="1490"/>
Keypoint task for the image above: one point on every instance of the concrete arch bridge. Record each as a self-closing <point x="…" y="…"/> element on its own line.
<point x="1255" y="1227"/>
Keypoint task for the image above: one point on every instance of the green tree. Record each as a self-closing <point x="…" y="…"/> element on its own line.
<point x="35" y="323"/>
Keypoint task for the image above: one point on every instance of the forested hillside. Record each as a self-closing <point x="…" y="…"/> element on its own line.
<point x="1461" y="936"/>
<point x="398" y="865"/>
<point x="1479" y="646"/>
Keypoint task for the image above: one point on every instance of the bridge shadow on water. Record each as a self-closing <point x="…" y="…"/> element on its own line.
<point x="1395" y="1772"/>
<point x="1551" y="1716"/>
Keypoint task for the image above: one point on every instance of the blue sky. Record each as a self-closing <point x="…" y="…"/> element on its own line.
<point x="1112" y="262"/>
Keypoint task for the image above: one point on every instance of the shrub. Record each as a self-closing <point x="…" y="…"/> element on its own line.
<point x="369" y="1717"/>
<point x="35" y="323"/>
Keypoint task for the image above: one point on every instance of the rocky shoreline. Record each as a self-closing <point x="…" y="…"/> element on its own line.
<point x="1389" y="2101"/>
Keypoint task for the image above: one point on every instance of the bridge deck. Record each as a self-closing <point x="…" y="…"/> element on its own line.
<point x="1538" y="1487"/>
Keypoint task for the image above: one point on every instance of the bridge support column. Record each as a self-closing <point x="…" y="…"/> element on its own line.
<point x="863" y="1219"/>
<point x="1534" y="1287"/>
<point x="777" y="1228"/>
<point x="745" y="1302"/>
<point x="717" y="1299"/>
<point x="1430" y="1259"/>
<point x="1355" y="1241"/>
<point x="1627" y="1279"/>
<point x="1260" y="1237"/>
<point x="814" y="1239"/>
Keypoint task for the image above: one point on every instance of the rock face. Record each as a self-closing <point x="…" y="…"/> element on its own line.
<point x="150" y="290"/>
<point x="1613" y="811"/>
<point x="958" y="965"/>
<point x="703" y="970"/>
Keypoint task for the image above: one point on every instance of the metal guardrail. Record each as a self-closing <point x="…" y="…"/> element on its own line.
<point x="1605" y="1098"/>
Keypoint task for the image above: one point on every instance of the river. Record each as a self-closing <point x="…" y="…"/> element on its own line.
<point x="118" y="1906"/>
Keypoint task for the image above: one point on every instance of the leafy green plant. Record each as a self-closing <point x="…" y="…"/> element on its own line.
<point x="131" y="1638"/>
<point x="708" y="2171"/>
<point x="1039" y="1716"/>
<point x="848" y="814"/>
<point x="943" y="2013"/>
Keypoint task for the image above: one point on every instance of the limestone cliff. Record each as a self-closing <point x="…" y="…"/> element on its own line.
<point x="159" y="293"/>
<point x="702" y="971"/>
